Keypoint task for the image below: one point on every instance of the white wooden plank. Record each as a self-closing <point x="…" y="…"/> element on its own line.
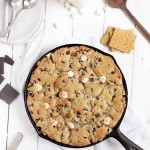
<point x="4" y="109"/>
<point x="141" y="80"/>
<point x="57" y="13"/>
<point x="18" y="120"/>
<point x="90" y="24"/>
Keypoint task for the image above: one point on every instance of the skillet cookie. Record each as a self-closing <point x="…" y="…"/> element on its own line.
<point x="76" y="95"/>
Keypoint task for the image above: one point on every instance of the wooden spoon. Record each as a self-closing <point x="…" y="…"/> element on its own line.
<point x="122" y="4"/>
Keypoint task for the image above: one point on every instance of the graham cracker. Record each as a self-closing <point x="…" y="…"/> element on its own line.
<point x="122" y="40"/>
<point x="106" y="38"/>
<point x="113" y="49"/>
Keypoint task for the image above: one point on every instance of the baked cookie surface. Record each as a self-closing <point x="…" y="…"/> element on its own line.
<point x="76" y="95"/>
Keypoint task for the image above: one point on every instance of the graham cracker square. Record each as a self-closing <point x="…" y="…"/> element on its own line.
<point x="106" y="38"/>
<point x="123" y="40"/>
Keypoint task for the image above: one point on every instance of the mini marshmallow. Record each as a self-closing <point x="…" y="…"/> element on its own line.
<point x="64" y="94"/>
<point x="107" y="121"/>
<point x="94" y="99"/>
<point x="54" y="122"/>
<point x="67" y="5"/>
<point x="73" y="15"/>
<point x="73" y="9"/>
<point x="38" y="87"/>
<point x="82" y="11"/>
<point x="103" y="79"/>
<point x="85" y="80"/>
<point x="45" y="105"/>
<point x="70" y="74"/>
<point x="71" y="125"/>
<point x="48" y="55"/>
<point x="83" y="58"/>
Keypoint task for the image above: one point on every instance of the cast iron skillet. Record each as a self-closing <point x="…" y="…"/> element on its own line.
<point x="116" y="133"/>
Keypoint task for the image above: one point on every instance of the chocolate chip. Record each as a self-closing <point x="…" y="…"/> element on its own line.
<point x="68" y="52"/>
<point x="97" y="115"/>
<point x="62" y="61"/>
<point x="8" y="94"/>
<point x="39" y="79"/>
<point x="100" y="60"/>
<point x="92" y="79"/>
<point x="75" y="54"/>
<point x="31" y="94"/>
<point x="8" y="60"/>
<point x="78" y="113"/>
<point x="1" y="78"/>
<point x="1" y="65"/>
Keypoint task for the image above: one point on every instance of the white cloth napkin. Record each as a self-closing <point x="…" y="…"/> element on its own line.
<point x="131" y="126"/>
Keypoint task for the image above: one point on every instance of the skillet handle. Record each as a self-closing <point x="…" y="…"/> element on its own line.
<point x="128" y="144"/>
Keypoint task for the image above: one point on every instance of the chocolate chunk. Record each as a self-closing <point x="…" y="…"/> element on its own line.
<point x="8" y="60"/>
<point x="97" y="115"/>
<point x="8" y="94"/>
<point x="68" y="52"/>
<point x="1" y="78"/>
<point x="78" y="113"/>
<point x="92" y="79"/>
<point x="1" y="65"/>
<point x="99" y="59"/>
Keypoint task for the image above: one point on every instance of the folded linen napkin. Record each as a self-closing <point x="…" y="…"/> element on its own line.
<point x="131" y="126"/>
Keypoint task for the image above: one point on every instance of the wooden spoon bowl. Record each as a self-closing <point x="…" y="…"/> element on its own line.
<point x="116" y="3"/>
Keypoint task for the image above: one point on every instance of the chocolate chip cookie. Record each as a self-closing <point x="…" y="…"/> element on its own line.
<point x="76" y="95"/>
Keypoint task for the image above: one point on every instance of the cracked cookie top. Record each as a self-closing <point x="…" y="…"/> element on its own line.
<point x="76" y="95"/>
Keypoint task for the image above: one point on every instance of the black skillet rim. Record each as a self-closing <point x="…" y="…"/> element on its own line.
<point x="111" y="134"/>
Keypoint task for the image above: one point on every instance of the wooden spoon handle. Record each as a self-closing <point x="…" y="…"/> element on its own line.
<point x="143" y="30"/>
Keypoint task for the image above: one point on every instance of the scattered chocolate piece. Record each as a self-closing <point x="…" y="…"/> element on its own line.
<point x="8" y="94"/>
<point x="97" y="115"/>
<point x="1" y="78"/>
<point x="8" y="60"/>
<point x="1" y="65"/>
